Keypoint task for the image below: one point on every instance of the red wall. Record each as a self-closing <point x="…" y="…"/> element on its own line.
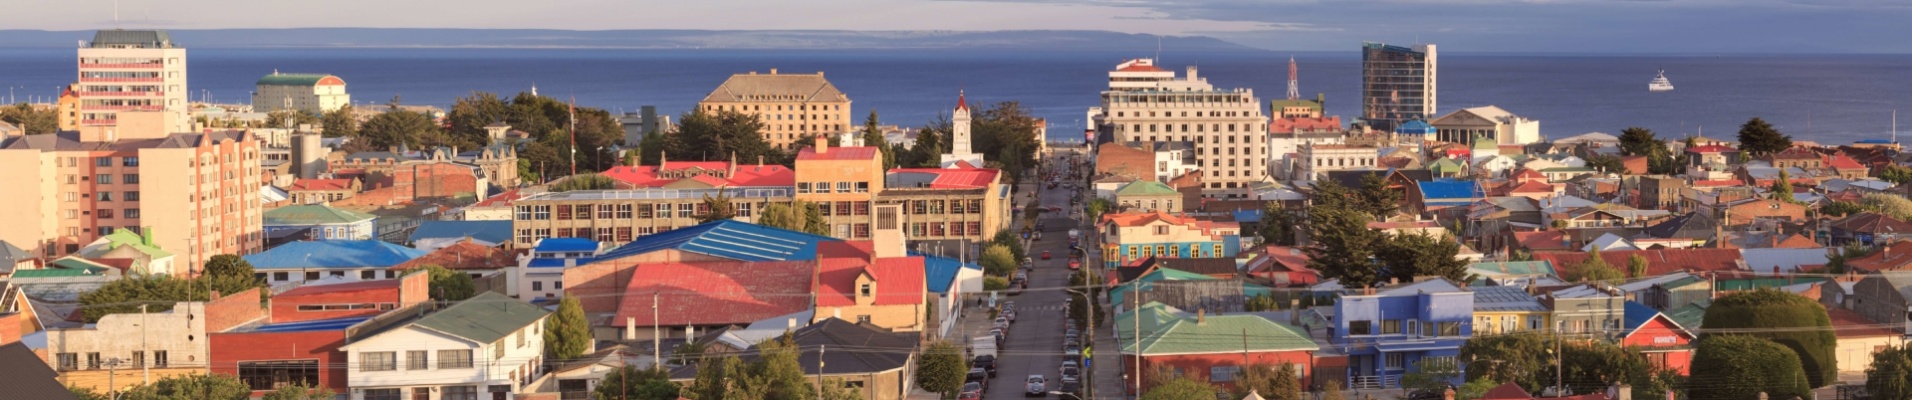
<point x="286" y="308"/>
<point x="233" y="310"/>
<point x="228" y="349"/>
<point x="1661" y="335"/>
<point x="1197" y="365"/>
<point x="9" y="328"/>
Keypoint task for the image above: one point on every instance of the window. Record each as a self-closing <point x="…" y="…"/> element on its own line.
<point x="281" y="276"/>
<point x="564" y="212"/>
<point x="1535" y="323"/>
<point x="69" y="361"/>
<point x="687" y="210"/>
<point x="130" y="179"/>
<point x="103" y="162"/>
<point x="271" y="375"/>
<point x="1223" y="374"/>
<point x="863" y="319"/>
<point x="624" y="211"/>
<point x="862" y="230"/>
<point x="844" y="187"/>
<point x="383" y="394"/>
<point x="139" y="359"/>
<point x="1394" y="361"/>
<point x="1450" y="329"/>
<point x="448" y="359"/>
<point x="860" y="208"/>
<point x="368" y="275"/>
<point x="378" y="361"/>
<point x="106" y="213"/>
<point x="803" y="187"/>
<point x="130" y="161"/>
<point x="863" y="290"/>
<point x="132" y="213"/>
<point x="1390" y="327"/>
<point x="312" y="275"/>
<point x="159" y="359"/>
<point x="93" y="360"/>
<point x="862" y="187"/>
<point x="521" y="337"/>
<point x="130" y="196"/>
<point x="537" y="285"/>
<point x="1360" y="327"/>
<point x="417" y="360"/>
<point x="523" y="212"/>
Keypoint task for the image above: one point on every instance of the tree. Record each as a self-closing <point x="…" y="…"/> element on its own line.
<point x="289" y="119"/>
<point x="1096" y="208"/>
<point x="1376" y="198"/>
<point x="397" y="127"/>
<point x="720" y="208"/>
<point x="1782" y="188"/>
<point x="585" y="181"/>
<point x="1270" y="382"/>
<point x="1637" y="141"/>
<point x="873" y="137"/>
<point x="776" y="373"/>
<point x="1516" y="357"/>
<point x="1009" y="240"/>
<point x="1181" y="389"/>
<point x="567" y="334"/>
<point x="1636" y="266"/>
<point x="927" y="152"/>
<point x="448" y="285"/>
<point x="722" y="135"/>
<point x="1409" y="255"/>
<point x="469" y="116"/>
<point x="1733" y="366"/>
<point x="1896" y="174"/>
<point x="1331" y="390"/>
<point x="1277" y="225"/>
<point x="1596" y="269"/>
<point x="1590" y="366"/>
<point x="942" y="368"/>
<point x="1432" y="374"/>
<point x="157" y="293"/>
<point x="228" y="265"/>
<point x="1758" y="138"/>
<point x="85" y="393"/>
<point x="633" y="383"/>
<point x="1889" y="376"/>
<point x="997" y="260"/>
<point x="33" y="121"/>
<point x="195" y="386"/>
<point x="1007" y="131"/>
<point x="1608" y="164"/>
<point x="1890" y="205"/>
<point x="813" y="218"/>
<point x="300" y="392"/>
<point x="1791" y="320"/>
<point x="1344" y="247"/>
<point x="342" y="122"/>
<point x="783" y="216"/>
<point x="1474" y="389"/>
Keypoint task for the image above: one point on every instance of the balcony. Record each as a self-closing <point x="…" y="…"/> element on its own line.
<point x="122" y="108"/>
<point x="122" y="94"/>
<point x="122" y="65"/>
<point x="97" y="122"/>
<point x="142" y="80"/>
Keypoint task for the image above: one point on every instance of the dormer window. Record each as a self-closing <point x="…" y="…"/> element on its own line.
<point x="863" y="290"/>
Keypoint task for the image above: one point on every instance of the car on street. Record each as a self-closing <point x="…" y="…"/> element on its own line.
<point x="1071" y="373"/>
<point x="1036" y="386"/>
<point x="1009" y="313"/>
<point x="971" y="391"/>
<point x="1070" y="389"/>
<point x="998" y="334"/>
<point x="979" y="376"/>
<point x="987" y="362"/>
<point x="1072" y="349"/>
<point x="1045" y="254"/>
<point x="1075" y="263"/>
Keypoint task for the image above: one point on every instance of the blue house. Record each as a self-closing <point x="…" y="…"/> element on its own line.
<point x="950" y="281"/>
<point x="1386" y="332"/>
<point x="542" y="274"/>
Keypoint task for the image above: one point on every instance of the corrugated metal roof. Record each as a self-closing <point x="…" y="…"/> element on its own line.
<point x="1449" y="189"/>
<point x="490" y="231"/>
<point x="1505" y="298"/>
<point x="278" y="79"/>
<point x="313" y="214"/>
<point x="728" y="239"/>
<point x="145" y="39"/>
<point x="484" y="318"/>
<point x="333" y="254"/>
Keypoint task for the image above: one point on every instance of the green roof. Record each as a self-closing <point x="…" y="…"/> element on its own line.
<point x="1484" y="143"/>
<point x="1762" y="283"/>
<point x="313" y="214"/>
<point x="64" y="267"/>
<point x="1166" y="330"/>
<point x="1146" y="188"/>
<point x="484" y="318"/>
<point x="1159" y="274"/>
<point x="126" y="237"/>
<point x="1277" y="104"/>
<point x="278" y="79"/>
<point x="1446" y="165"/>
<point x="1518" y="268"/>
<point x="1690" y="315"/>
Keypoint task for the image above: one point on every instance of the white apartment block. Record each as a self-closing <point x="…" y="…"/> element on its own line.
<point x="486" y="347"/>
<point x="1225" y="126"/>
<point x="1318" y="159"/>
<point x="121" y="70"/>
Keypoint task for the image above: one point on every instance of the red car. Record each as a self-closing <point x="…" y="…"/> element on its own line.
<point x="1045" y="255"/>
<point x="1075" y="263"/>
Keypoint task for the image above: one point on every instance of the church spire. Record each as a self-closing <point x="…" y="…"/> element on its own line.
<point x="961" y="103"/>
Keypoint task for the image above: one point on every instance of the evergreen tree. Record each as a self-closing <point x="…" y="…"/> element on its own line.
<point x="633" y="383"/>
<point x="228" y="265"/>
<point x="1637" y="141"/>
<point x="32" y="121"/>
<point x="722" y="135"/>
<point x="1517" y="357"/>
<point x="1344" y="247"/>
<point x="449" y="285"/>
<point x="1181" y="389"/>
<point x="1738" y="367"/>
<point x="1758" y="138"/>
<point x="397" y="127"/>
<point x="342" y="122"/>
<point x="1411" y="255"/>
<point x="1596" y="269"/>
<point x="942" y="368"/>
<point x="1793" y="321"/>
<point x="300" y="392"/>
<point x="1277" y="225"/>
<point x="567" y="334"/>
<point x="1889" y="376"/>
<point x="873" y="137"/>
<point x="1782" y="188"/>
<point x="720" y="208"/>
<point x="195" y="386"/>
<point x="930" y="145"/>
<point x="1375" y="198"/>
<point x="1636" y="266"/>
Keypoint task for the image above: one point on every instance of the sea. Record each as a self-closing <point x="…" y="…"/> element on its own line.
<point x="1829" y="99"/>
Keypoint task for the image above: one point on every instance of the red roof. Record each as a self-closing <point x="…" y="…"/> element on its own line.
<point x="646" y="176"/>
<point x="464" y="255"/>
<point x="1658" y="262"/>
<point x="1714" y="148"/>
<point x="955" y="178"/>
<point x="715" y="293"/>
<point x="1139" y="68"/>
<point x="1895" y="257"/>
<point x="1531" y="187"/>
<point x="1842" y="162"/>
<point x="1717" y="183"/>
<point x="1290" y="125"/>
<point x="899" y="280"/>
<point x="359" y="286"/>
<point x="1284" y="259"/>
<point x="961" y="104"/>
<point x="1797" y="241"/>
<point x="1507" y="391"/>
<point x="1852" y="325"/>
<point x="1541" y="240"/>
<point x="838" y="153"/>
<point x="502" y="199"/>
<point x="320" y="184"/>
<point x="122" y="264"/>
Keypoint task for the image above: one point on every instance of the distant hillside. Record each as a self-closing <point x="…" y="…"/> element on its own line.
<point x="645" y="39"/>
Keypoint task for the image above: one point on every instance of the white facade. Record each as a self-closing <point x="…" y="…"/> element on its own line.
<point x="959" y="137"/>
<point x="308" y="93"/>
<point x="1318" y="159"/>
<point x="131" y="71"/>
<point x="1284" y="149"/>
<point x="356" y="230"/>
<point x="382" y="364"/>
<point x="1226" y="126"/>
<point x="1492" y="122"/>
<point x="1174" y="161"/>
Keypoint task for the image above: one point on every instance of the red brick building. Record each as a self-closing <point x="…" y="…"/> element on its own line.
<point x="1185" y="343"/>
<point x="348" y="300"/>
<point x="266" y="355"/>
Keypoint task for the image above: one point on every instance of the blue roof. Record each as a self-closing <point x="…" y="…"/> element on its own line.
<point x="310" y="326"/>
<point x="333" y="254"/>
<point x="728" y="239"/>
<point x="489" y="231"/>
<point x="1449" y="189"/>
<point x="565" y="245"/>
<point x="1247" y="215"/>
<point x="1638" y="315"/>
<point x="1415" y="127"/>
<point x="1875" y="141"/>
<point x="550" y="262"/>
<point x="940" y="272"/>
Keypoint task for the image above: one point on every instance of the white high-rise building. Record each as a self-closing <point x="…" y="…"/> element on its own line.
<point x="959" y="138"/>
<point x="1226" y="127"/>
<point x="121" y="70"/>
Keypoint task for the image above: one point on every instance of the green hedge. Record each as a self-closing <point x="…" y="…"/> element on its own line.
<point x="1739" y="367"/>
<point x="1784" y="318"/>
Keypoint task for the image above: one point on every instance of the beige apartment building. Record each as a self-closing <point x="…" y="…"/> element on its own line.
<point x="791" y="106"/>
<point x="68" y="189"/>
<point x="138" y="70"/>
<point x="308" y="93"/>
<point x="1226" y="127"/>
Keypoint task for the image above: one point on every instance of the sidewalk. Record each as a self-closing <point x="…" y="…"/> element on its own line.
<point x="1109" y="382"/>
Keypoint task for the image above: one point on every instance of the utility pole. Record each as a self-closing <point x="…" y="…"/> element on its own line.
<point x="657" y="339"/>
<point x="145" y="368"/>
<point x="820" y="349"/>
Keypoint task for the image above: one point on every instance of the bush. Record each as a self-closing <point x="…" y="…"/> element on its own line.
<point x="1739" y="367"/>
<point x="1790" y="320"/>
<point x="994" y="283"/>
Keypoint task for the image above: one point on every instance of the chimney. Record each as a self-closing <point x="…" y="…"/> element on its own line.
<point x="146" y="235"/>
<point x="1201" y="316"/>
<point x="823" y="144"/>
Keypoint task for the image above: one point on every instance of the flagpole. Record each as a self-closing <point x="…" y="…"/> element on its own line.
<point x="572" y="111"/>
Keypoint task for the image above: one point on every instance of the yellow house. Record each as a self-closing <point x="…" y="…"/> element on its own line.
<point x="842" y="182"/>
<point x="855" y="283"/>
<point x="1507" y="309"/>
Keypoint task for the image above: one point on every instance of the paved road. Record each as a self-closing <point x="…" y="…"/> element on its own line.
<point x="1034" y="345"/>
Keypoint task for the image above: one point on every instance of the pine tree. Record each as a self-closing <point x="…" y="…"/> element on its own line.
<point x="873" y="137"/>
<point x="1758" y="138"/>
<point x="1637" y="141"/>
<point x="567" y="334"/>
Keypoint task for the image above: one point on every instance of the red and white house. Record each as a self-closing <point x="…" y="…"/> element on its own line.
<point x="1664" y="342"/>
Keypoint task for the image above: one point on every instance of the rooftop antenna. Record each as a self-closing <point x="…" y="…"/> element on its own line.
<point x="116" y="24"/>
<point x="1895" y="126"/>
<point x="1294" y="87"/>
<point x="1158" y="49"/>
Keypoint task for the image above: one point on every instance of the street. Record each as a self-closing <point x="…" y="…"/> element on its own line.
<point x="1034" y="345"/>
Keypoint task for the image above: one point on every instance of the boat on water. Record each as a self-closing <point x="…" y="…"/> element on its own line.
<point x="1659" y="83"/>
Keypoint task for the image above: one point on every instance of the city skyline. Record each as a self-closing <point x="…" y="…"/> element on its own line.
<point x="1708" y="26"/>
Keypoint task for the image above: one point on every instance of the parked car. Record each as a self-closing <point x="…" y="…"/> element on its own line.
<point x="1071" y="372"/>
<point x="998" y="334"/>
<point x="1075" y="263"/>
<point x="971" y="391"/>
<point x="1045" y="254"/>
<point x="987" y="362"/>
<point x="1071" y="389"/>
<point x="1009" y="313"/>
<point x="1035" y="386"/>
<point x="1072" y="349"/>
<point x="979" y="376"/>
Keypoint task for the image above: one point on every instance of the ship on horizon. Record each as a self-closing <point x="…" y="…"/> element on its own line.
<point x="1659" y="83"/>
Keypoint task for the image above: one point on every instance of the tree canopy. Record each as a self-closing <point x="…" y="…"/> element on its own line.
<point x="997" y="260"/>
<point x="1181" y="389"/>
<point x="1516" y="357"/>
<point x="1637" y="141"/>
<point x="1889" y="376"/>
<point x="567" y="334"/>
<point x="1270" y="382"/>
<point x="801" y="216"/>
<point x="719" y="135"/>
<point x="1737" y="367"/>
<point x="1409" y="255"/>
<point x="398" y="127"/>
<point x="719" y="206"/>
<point x="633" y="383"/>
<point x="873" y="137"/>
<point x="1343" y="246"/>
<point x="195" y="387"/>
<point x="33" y="121"/>
<point x="300" y="392"/>
<point x="449" y="285"/>
<point x="1596" y="269"/>
<point x="1790" y="320"/>
<point x="941" y="368"/>
<point x="159" y="292"/>
<point x="1758" y="138"/>
<point x="342" y="122"/>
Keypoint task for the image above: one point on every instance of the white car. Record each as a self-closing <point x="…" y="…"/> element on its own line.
<point x="1037" y="386"/>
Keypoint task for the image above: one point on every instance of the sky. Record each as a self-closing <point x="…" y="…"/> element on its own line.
<point x="1522" y="26"/>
